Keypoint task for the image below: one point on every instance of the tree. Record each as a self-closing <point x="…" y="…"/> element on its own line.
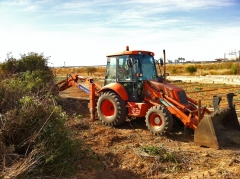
<point x="28" y="62"/>
<point x="91" y="70"/>
<point x="181" y="59"/>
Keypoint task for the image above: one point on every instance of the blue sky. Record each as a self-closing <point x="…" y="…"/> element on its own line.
<point x="82" y="32"/>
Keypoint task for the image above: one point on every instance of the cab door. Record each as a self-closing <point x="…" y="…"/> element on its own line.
<point x="126" y="76"/>
<point x="111" y="72"/>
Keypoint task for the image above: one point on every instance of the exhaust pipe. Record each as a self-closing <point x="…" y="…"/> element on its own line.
<point x="164" y="67"/>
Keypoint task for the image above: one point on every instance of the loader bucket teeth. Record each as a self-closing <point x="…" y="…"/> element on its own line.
<point x="217" y="129"/>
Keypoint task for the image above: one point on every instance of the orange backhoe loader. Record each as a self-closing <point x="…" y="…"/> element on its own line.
<point x="133" y="88"/>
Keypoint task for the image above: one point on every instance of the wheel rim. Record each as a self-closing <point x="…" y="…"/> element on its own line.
<point x="155" y="120"/>
<point x="107" y="108"/>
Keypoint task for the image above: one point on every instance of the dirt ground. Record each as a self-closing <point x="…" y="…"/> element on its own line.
<point x="130" y="151"/>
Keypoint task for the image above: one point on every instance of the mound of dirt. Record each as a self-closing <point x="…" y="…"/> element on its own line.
<point x="131" y="151"/>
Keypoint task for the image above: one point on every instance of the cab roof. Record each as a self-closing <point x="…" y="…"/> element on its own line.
<point x="128" y="52"/>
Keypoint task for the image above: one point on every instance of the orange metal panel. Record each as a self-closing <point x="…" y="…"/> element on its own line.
<point x="92" y="101"/>
<point x="130" y="53"/>
<point x="138" y="109"/>
<point x="118" y="88"/>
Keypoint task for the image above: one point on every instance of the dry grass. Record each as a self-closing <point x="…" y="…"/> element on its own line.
<point x="222" y="68"/>
<point x="20" y="165"/>
<point x="80" y="70"/>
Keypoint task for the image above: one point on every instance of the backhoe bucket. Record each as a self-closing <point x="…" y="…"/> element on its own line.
<point x="218" y="129"/>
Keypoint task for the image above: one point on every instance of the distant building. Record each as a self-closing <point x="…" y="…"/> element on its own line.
<point x="219" y="59"/>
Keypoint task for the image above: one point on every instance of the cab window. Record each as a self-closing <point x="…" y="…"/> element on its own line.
<point x="123" y="72"/>
<point x="110" y="70"/>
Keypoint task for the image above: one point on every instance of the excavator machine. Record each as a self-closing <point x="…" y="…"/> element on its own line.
<point x="133" y="88"/>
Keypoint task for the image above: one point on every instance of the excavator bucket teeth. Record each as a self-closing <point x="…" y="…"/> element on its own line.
<point x="217" y="129"/>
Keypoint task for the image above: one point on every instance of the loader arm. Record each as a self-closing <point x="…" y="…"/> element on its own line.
<point x="166" y="95"/>
<point x="188" y="120"/>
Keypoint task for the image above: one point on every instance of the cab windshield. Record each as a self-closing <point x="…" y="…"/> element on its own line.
<point x="146" y="66"/>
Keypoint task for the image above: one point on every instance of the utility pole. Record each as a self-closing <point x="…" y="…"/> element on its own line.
<point x="239" y="55"/>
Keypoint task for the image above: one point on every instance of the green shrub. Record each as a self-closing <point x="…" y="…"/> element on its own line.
<point x="38" y="125"/>
<point x="191" y="69"/>
<point x="91" y="70"/>
<point x="33" y="125"/>
<point x="30" y="62"/>
<point x="174" y="70"/>
<point x="22" y="84"/>
<point x="234" y="69"/>
<point x="161" y="151"/>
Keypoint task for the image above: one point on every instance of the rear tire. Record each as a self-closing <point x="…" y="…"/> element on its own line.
<point x="111" y="109"/>
<point x="159" y="120"/>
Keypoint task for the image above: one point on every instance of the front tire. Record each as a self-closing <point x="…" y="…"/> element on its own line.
<point x="111" y="109"/>
<point x="159" y="120"/>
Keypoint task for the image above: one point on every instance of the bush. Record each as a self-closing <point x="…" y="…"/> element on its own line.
<point x="91" y="70"/>
<point x="191" y="69"/>
<point x="31" y="62"/>
<point x="234" y="69"/>
<point x="38" y="125"/>
<point x="174" y="70"/>
<point x="32" y="124"/>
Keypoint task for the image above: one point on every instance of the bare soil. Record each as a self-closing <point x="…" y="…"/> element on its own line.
<point x="131" y="151"/>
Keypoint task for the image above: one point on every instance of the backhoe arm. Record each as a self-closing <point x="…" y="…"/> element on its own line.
<point x="92" y="90"/>
<point x="70" y="81"/>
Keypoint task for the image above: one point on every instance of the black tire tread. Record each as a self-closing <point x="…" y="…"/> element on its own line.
<point x="167" y="120"/>
<point x="121" y="109"/>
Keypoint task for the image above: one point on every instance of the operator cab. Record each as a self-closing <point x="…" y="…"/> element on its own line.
<point x="131" y="68"/>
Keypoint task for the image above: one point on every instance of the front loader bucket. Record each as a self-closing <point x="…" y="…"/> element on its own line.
<point x="218" y="129"/>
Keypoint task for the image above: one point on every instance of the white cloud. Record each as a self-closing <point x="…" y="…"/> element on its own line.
<point x="83" y="33"/>
<point x="143" y="7"/>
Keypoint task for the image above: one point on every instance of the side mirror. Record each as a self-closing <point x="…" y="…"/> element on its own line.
<point x="130" y="63"/>
<point x="161" y="61"/>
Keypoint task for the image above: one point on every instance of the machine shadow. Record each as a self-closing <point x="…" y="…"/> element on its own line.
<point x="179" y="132"/>
<point x="76" y="106"/>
